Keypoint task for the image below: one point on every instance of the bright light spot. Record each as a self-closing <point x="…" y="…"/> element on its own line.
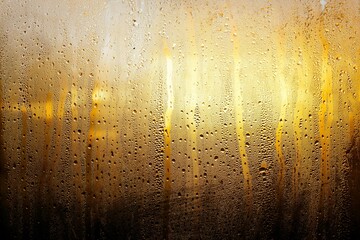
<point x="323" y="4"/>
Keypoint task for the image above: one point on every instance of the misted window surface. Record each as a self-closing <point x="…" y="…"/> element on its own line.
<point x="180" y="119"/>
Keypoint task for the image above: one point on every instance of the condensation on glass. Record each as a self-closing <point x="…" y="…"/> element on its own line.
<point x="180" y="119"/>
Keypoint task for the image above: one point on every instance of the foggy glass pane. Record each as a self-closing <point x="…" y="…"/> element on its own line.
<point x="180" y="119"/>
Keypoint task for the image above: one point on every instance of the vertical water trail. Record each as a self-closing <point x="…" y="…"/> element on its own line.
<point x="44" y="195"/>
<point x="89" y="166"/>
<point x="58" y="134"/>
<point x="48" y="136"/>
<point x="238" y="100"/>
<point x="77" y="156"/>
<point x="191" y="122"/>
<point x="282" y="118"/>
<point x="167" y="137"/>
<point x="23" y="166"/>
<point x="325" y="121"/>
<point x="3" y="175"/>
<point x="299" y="115"/>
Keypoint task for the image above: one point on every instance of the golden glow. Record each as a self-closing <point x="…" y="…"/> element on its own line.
<point x="99" y="95"/>
<point x="49" y="107"/>
<point x="218" y="105"/>
<point x="326" y="114"/>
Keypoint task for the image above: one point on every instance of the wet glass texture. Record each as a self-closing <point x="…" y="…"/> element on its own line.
<point x="180" y="119"/>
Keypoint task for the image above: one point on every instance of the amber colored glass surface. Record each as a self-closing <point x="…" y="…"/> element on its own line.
<point x="180" y="119"/>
